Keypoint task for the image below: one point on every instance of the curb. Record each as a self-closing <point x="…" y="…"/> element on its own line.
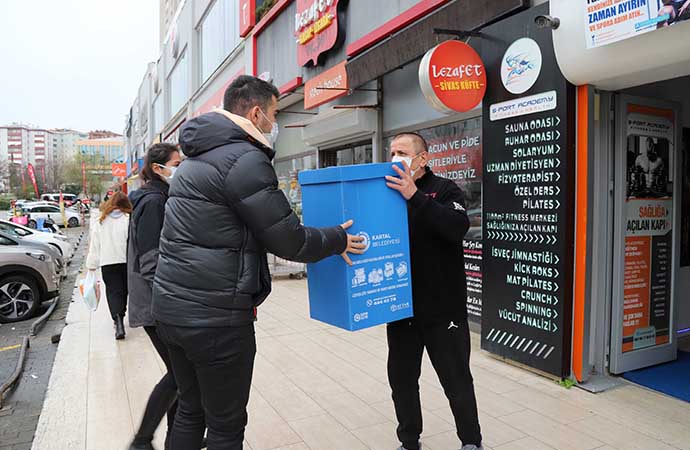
<point x="7" y="385"/>
<point x="38" y="322"/>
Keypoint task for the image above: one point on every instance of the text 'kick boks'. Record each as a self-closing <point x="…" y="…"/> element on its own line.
<point x="377" y="289"/>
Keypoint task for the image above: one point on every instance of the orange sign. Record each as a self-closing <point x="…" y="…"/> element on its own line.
<point x="326" y="87"/>
<point x="316" y="29"/>
<point x="452" y="77"/>
<point x="119" y="170"/>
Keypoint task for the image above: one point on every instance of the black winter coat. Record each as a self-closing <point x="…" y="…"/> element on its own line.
<point x="224" y="212"/>
<point x="145" y="224"/>
<point x="438" y="223"/>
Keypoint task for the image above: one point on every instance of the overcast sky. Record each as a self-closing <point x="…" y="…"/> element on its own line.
<point x="74" y="63"/>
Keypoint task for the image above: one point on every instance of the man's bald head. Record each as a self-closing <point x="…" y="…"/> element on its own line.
<point x="417" y="142"/>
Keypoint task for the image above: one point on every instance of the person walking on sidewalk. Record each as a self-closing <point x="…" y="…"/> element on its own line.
<point x="438" y="223"/>
<point x="108" y="250"/>
<point x="225" y="211"/>
<point x="145" y="227"/>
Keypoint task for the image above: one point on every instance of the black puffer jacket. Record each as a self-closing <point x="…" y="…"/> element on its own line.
<point x="224" y="212"/>
<point x="145" y="224"/>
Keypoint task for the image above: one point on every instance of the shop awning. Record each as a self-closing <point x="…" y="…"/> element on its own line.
<point x="412" y="42"/>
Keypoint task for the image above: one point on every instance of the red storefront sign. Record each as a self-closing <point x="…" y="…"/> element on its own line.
<point x="316" y="29"/>
<point x="247" y="16"/>
<point x="119" y="170"/>
<point x="452" y="77"/>
<point x="326" y="87"/>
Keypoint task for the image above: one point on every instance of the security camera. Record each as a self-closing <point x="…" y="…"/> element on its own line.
<point x="545" y="21"/>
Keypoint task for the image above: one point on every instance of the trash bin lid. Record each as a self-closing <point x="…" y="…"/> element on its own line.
<point x="346" y="173"/>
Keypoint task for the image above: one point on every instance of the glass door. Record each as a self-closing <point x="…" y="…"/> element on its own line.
<point x="646" y="234"/>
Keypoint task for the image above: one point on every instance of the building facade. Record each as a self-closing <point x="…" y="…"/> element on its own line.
<point x="109" y="150"/>
<point x="21" y="145"/>
<point x="201" y="53"/>
<point x="566" y="163"/>
<point x="65" y="143"/>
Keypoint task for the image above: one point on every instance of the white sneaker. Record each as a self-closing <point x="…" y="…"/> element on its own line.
<point x="471" y="447"/>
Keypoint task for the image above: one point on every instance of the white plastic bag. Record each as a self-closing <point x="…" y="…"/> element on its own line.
<point x="90" y="290"/>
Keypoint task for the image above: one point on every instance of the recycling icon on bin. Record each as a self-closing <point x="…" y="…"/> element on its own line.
<point x="389" y="270"/>
<point x="402" y="269"/>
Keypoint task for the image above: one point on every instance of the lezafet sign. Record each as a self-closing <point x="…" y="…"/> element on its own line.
<point x="316" y="28"/>
<point x="328" y="86"/>
<point x="452" y="77"/>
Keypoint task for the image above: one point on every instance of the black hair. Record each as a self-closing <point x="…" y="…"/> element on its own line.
<point x="420" y="143"/>
<point x="156" y="154"/>
<point x="247" y="92"/>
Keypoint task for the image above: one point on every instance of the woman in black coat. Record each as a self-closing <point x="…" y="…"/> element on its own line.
<point x="146" y="223"/>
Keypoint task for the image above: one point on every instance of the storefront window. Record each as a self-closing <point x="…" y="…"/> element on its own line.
<point x="178" y="85"/>
<point x="219" y="35"/>
<point x="359" y="153"/>
<point x="288" y="171"/>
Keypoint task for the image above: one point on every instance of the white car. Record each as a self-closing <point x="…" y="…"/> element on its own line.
<point x="58" y="241"/>
<point x="39" y="203"/>
<point x="52" y="213"/>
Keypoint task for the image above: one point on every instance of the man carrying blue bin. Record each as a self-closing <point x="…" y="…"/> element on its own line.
<point x="437" y="223"/>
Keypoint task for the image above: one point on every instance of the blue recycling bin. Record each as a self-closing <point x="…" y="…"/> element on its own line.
<point x="377" y="289"/>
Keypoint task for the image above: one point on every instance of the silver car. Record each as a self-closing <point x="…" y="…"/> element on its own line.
<point x="28" y="277"/>
<point x="55" y="255"/>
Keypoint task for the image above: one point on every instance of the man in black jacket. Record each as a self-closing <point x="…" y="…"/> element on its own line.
<point x="224" y="212"/>
<point x="438" y="223"/>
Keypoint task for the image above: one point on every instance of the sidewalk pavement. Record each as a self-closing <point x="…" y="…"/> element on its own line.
<point x="319" y="388"/>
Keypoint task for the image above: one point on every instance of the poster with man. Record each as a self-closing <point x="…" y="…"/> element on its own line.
<point x="648" y="167"/>
<point x="651" y="140"/>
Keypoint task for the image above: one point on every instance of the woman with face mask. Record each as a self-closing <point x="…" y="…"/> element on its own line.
<point x="146" y="224"/>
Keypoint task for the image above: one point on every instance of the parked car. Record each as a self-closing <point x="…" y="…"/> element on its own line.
<point x="39" y="203"/>
<point x="69" y="199"/>
<point x="53" y="213"/>
<point x="27" y="278"/>
<point x="58" y="259"/>
<point x="57" y="240"/>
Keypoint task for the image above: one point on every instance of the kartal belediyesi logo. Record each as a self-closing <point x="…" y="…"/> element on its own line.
<point x="378" y="240"/>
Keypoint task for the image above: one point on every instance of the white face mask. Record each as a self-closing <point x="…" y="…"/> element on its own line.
<point x="272" y="136"/>
<point x="172" y="170"/>
<point x="408" y="160"/>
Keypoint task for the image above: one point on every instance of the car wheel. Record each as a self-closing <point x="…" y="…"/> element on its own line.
<point x="32" y="224"/>
<point x="73" y="222"/>
<point x="19" y="298"/>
